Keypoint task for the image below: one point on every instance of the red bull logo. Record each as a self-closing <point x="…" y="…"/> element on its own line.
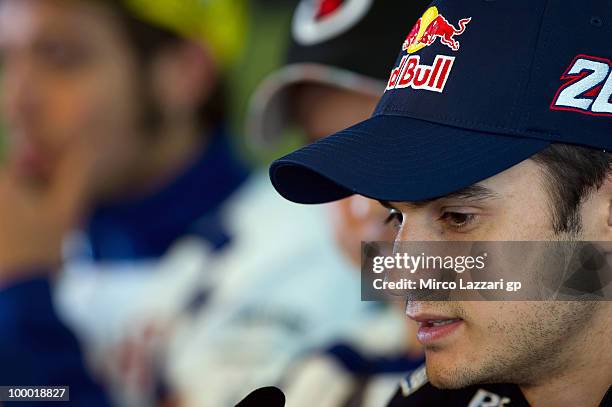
<point x="431" y="26"/>
<point x="411" y="73"/>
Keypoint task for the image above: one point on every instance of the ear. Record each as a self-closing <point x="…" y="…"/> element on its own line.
<point x="606" y="190"/>
<point x="183" y="77"/>
<point x="605" y="240"/>
<point x="598" y="212"/>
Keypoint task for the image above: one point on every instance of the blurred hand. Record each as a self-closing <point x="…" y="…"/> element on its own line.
<point x="34" y="219"/>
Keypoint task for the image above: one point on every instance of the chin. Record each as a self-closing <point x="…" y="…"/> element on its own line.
<point x="449" y="374"/>
<point x="446" y="383"/>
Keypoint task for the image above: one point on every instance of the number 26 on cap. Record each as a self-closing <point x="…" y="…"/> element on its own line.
<point x="588" y="87"/>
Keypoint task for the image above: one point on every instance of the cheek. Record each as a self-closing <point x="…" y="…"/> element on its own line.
<point x="377" y="228"/>
<point x="103" y="114"/>
<point x="358" y="219"/>
<point x="361" y="219"/>
<point x="530" y="221"/>
<point x="107" y="111"/>
<point x="90" y="108"/>
<point x="493" y="322"/>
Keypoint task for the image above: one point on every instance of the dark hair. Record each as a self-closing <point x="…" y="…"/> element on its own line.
<point x="147" y="41"/>
<point x="572" y="174"/>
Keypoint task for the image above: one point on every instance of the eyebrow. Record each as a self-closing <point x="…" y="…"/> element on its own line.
<point x="473" y="193"/>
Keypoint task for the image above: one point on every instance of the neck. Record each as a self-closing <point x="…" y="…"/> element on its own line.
<point x="588" y="375"/>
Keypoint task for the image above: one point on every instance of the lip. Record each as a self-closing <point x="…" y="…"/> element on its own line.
<point x="428" y="334"/>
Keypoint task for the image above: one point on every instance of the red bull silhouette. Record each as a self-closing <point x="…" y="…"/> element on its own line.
<point x="433" y="25"/>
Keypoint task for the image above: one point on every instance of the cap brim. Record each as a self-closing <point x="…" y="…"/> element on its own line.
<point x="269" y="114"/>
<point x="394" y="158"/>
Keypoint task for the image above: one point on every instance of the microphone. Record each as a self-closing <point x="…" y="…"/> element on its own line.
<point x="265" y="396"/>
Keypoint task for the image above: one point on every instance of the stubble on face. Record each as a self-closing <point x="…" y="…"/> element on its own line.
<point x="540" y="340"/>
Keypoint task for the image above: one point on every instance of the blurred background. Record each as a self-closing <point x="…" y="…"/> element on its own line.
<point x="145" y="259"/>
<point x="265" y="50"/>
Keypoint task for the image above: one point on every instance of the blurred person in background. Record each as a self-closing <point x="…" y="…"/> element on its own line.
<point x="115" y="125"/>
<point x="184" y="277"/>
<point x="338" y="62"/>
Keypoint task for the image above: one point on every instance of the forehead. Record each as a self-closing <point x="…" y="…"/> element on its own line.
<point x="522" y="184"/>
<point x="521" y="178"/>
<point x="22" y="21"/>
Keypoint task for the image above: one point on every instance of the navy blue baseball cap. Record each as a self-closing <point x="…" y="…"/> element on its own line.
<point x="478" y="87"/>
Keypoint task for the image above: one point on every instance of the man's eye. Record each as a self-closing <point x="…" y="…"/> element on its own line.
<point x="395" y="218"/>
<point x="458" y="220"/>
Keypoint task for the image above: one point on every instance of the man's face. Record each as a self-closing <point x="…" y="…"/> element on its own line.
<point x="67" y="73"/>
<point x="322" y="110"/>
<point x="516" y="341"/>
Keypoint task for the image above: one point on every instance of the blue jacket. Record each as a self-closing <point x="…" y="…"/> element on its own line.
<point x="36" y="349"/>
